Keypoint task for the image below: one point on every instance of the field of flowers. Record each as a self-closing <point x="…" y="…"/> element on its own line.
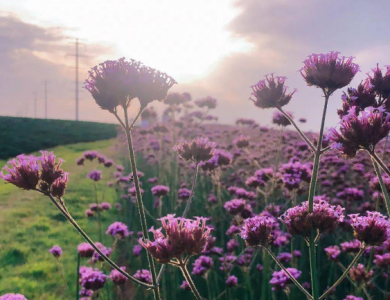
<point x="190" y="208"/>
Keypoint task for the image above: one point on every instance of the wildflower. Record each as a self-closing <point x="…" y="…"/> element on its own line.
<point x="160" y="190"/>
<point x="279" y="119"/>
<point x="182" y="236"/>
<point x="105" y="206"/>
<point x="297" y="253"/>
<point x="117" y="277"/>
<point x="208" y="102"/>
<point x="93" y="279"/>
<point x="357" y="99"/>
<point x="379" y="82"/>
<point x="233" y="229"/>
<point x="202" y="265"/>
<point x="271" y="92"/>
<point x="199" y="149"/>
<point x="13" y="297"/>
<point x="108" y="163"/>
<point x="118" y="230"/>
<point x="235" y="206"/>
<point x="56" y="251"/>
<point x="185" y="286"/>
<point x="328" y="71"/>
<point x="80" y="161"/>
<point x="231" y="245"/>
<point x="280" y="279"/>
<point x="351" y="246"/>
<point x="325" y="218"/>
<point x="372" y="230"/>
<point x="90" y="155"/>
<point x="58" y="187"/>
<point x="183" y="194"/>
<point x="175" y="99"/>
<point x="85" y="250"/>
<point x="259" y="267"/>
<point x="351" y="194"/>
<point x="231" y="281"/>
<point x="95" y="175"/>
<point x="284" y="257"/>
<point x="137" y="249"/>
<point x="106" y="251"/>
<point x="256" y="231"/>
<point x="294" y="173"/>
<point x="227" y="262"/>
<point x="360" y="132"/>
<point x="89" y="213"/>
<point x="351" y="297"/>
<point x="24" y="172"/>
<point x="382" y="261"/>
<point x="359" y="274"/>
<point x="333" y="253"/>
<point x="143" y="275"/>
<point x="242" y="141"/>
<point x="50" y="169"/>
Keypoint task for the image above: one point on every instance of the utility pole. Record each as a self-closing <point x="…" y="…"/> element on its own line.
<point x="45" y="99"/>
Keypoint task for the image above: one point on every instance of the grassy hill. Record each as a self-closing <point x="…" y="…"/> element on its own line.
<point x="26" y="135"/>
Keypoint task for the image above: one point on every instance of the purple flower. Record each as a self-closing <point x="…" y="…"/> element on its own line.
<point x="328" y="71"/>
<point x="56" y="251"/>
<point x="280" y="279"/>
<point x="372" y="230"/>
<point x="235" y="206"/>
<point x="13" y="297"/>
<point x="90" y="155"/>
<point x="279" y="119"/>
<point x="256" y="231"/>
<point x="105" y="206"/>
<point x="185" y="286"/>
<point x="325" y="218"/>
<point x="117" y="277"/>
<point x="137" y="249"/>
<point x="95" y="175"/>
<point x="231" y="281"/>
<point x="24" y="172"/>
<point x="92" y="279"/>
<point x="197" y="150"/>
<point x="242" y="141"/>
<point x="271" y="92"/>
<point x="183" y="194"/>
<point x="360" y="132"/>
<point x="359" y="274"/>
<point x="202" y="265"/>
<point x="231" y="245"/>
<point x="382" y="261"/>
<point x="227" y="262"/>
<point x="208" y="102"/>
<point x="143" y="275"/>
<point x="106" y="251"/>
<point x="160" y="190"/>
<point x="351" y="246"/>
<point x="233" y="229"/>
<point x="285" y="257"/>
<point x="85" y="250"/>
<point x="58" y="187"/>
<point x="118" y="230"/>
<point x="351" y="297"/>
<point x="333" y="253"/>
<point x="182" y="236"/>
<point x="294" y="173"/>
<point x="379" y="82"/>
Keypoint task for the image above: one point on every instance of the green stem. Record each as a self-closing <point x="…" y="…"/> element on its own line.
<point x="96" y="248"/>
<point x="346" y="271"/>
<point x="98" y="214"/>
<point x="303" y="136"/>
<point x="382" y="184"/>
<point x="380" y="162"/>
<point x="60" y="268"/>
<point x="187" y="277"/>
<point x="140" y="205"/>
<point x="288" y="273"/>
<point x="313" y="266"/>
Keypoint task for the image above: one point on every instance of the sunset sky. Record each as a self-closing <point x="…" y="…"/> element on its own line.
<point x="211" y="47"/>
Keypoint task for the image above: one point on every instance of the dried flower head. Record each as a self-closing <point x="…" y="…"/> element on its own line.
<point x="271" y="92"/>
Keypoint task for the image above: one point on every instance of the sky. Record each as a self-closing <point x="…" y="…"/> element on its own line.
<point x="211" y="47"/>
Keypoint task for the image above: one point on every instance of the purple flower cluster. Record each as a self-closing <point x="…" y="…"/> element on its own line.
<point x="197" y="150"/>
<point x="92" y="279"/>
<point x="143" y="275"/>
<point x="118" y="230"/>
<point x="372" y="230"/>
<point x="280" y="279"/>
<point x="56" y="251"/>
<point x="202" y="265"/>
<point x="293" y="174"/>
<point x="13" y="297"/>
<point x="257" y="231"/>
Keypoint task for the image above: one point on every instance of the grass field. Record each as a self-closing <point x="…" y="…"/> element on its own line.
<point x="25" y="135"/>
<point x="30" y="225"/>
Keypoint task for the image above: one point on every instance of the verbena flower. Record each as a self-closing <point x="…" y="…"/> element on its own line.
<point x="197" y="150"/>
<point x="227" y="262"/>
<point x="85" y="250"/>
<point x="359" y="274"/>
<point x="360" y="132"/>
<point x="351" y="246"/>
<point x="95" y="175"/>
<point x="182" y="237"/>
<point x="137" y="249"/>
<point x="257" y="231"/>
<point x="92" y="279"/>
<point x="160" y="190"/>
<point x="235" y="206"/>
<point x="280" y="279"/>
<point x="279" y="119"/>
<point x="208" y="102"/>
<point x="380" y="82"/>
<point x="23" y="172"/>
<point x="201" y="265"/>
<point x="372" y="230"/>
<point x="117" y="277"/>
<point x="183" y="193"/>
<point x="382" y="261"/>
<point x="328" y="71"/>
<point x="285" y="257"/>
<point x="351" y="297"/>
<point x="294" y="173"/>
<point x="144" y="276"/>
<point x="118" y="230"/>
<point x="271" y="92"/>
<point x="231" y="281"/>
<point x="56" y="251"/>
<point x="176" y="98"/>
<point x="325" y="218"/>
<point x="105" y="250"/>
<point x="185" y="286"/>
<point x="242" y="141"/>
<point x="13" y="297"/>
<point x="333" y="253"/>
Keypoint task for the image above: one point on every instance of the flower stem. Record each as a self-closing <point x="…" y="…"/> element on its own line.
<point x="303" y="136"/>
<point x="60" y="268"/>
<point x="187" y="277"/>
<point x="382" y="184"/>
<point x="380" y="162"/>
<point x="96" y="248"/>
<point x="361" y="251"/>
<point x="78" y="277"/>
<point x="313" y="265"/>
<point x="98" y="214"/>
<point x="288" y="273"/>
<point x="140" y="205"/>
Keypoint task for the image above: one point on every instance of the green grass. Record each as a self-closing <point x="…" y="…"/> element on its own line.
<point x="31" y="225"/>
<point x="25" y="135"/>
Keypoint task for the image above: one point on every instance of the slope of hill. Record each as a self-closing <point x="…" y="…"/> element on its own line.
<point x="26" y="135"/>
